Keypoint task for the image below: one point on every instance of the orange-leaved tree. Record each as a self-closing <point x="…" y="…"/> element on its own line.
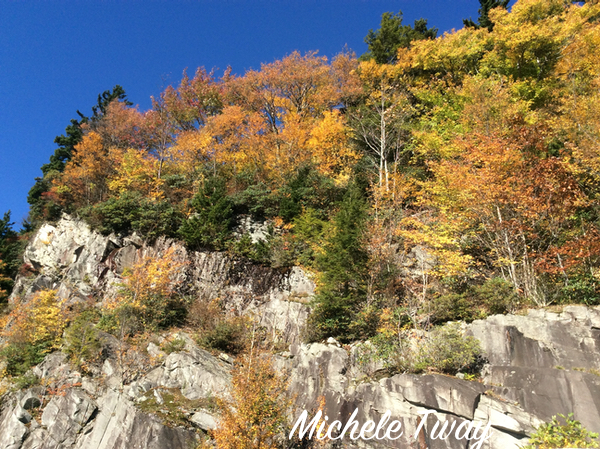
<point x="272" y="112"/>
<point x="84" y="180"/>
<point x="512" y="204"/>
<point x="255" y="415"/>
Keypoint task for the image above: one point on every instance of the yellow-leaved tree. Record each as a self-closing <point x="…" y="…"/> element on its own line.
<point x="330" y="146"/>
<point x="31" y="330"/>
<point x="137" y="172"/>
<point x="147" y="298"/>
<point x="255" y="415"/>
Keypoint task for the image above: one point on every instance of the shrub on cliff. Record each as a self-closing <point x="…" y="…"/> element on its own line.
<point x="448" y="350"/>
<point x="494" y="296"/>
<point x="148" y="297"/>
<point x="82" y="339"/>
<point x="443" y="350"/>
<point x="255" y="416"/>
<point x="131" y="212"/>
<point x="31" y="330"/>
<point x="563" y="431"/>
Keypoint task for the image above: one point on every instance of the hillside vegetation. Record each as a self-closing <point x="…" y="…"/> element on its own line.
<point x="481" y="146"/>
<point x="433" y="179"/>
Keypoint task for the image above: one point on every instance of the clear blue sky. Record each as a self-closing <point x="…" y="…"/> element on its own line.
<point x="57" y="56"/>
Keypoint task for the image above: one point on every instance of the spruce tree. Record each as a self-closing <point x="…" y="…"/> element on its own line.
<point x="210" y="226"/>
<point x="484" y="19"/>
<point x="392" y="35"/>
<point x="343" y="272"/>
<point x="10" y="254"/>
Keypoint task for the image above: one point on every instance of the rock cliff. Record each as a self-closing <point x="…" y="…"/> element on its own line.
<point x="81" y="263"/>
<point x="538" y="365"/>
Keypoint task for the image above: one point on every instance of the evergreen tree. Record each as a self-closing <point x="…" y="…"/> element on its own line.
<point x="10" y="252"/>
<point x="105" y="98"/>
<point x="210" y="226"/>
<point x="40" y="206"/>
<point x="392" y="35"/>
<point x="343" y="272"/>
<point x="484" y="19"/>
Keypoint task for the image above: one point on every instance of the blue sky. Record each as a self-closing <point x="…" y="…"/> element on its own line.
<point x="57" y="56"/>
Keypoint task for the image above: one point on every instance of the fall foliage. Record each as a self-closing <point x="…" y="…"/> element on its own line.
<point x="432" y="179"/>
<point x="147" y="297"/>
<point x="477" y="148"/>
<point x="255" y="416"/>
<point x="32" y="329"/>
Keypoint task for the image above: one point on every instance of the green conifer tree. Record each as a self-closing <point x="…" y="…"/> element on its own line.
<point x="392" y="35"/>
<point x="210" y="226"/>
<point x="10" y="252"/>
<point x="343" y="272"/>
<point x="484" y="19"/>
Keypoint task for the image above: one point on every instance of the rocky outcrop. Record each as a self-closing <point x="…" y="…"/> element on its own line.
<point x="78" y="412"/>
<point x="548" y="363"/>
<point x="81" y="263"/>
<point x="514" y="395"/>
<point x="538" y="365"/>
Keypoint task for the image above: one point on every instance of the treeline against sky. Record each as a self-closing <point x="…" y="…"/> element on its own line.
<point x="480" y="146"/>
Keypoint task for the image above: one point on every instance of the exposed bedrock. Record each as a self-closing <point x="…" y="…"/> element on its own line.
<point x="538" y="365"/>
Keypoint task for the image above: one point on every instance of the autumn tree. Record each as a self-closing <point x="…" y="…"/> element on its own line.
<point x="380" y="123"/>
<point x="332" y="150"/>
<point x="85" y="178"/>
<point x="272" y="112"/>
<point x="120" y="126"/>
<point x="578" y="71"/>
<point x="41" y="205"/>
<point x="182" y="110"/>
<point x="517" y="204"/>
<point x="148" y="296"/>
<point x="255" y="415"/>
<point x="31" y="330"/>
<point x="193" y="101"/>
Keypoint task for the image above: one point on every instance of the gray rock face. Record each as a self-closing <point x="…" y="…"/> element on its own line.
<point x="319" y="370"/>
<point x="539" y="365"/>
<point x="196" y="373"/>
<point x="79" y="262"/>
<point x="69" y="416"/>
<point x="542" y="339"/>
<point x="546" y="362"/>
<point x="65" y="416"/>
<point x="204" y="420"/>
<point x="119" y="425"/>
<point x="12" y="429"/>
<point x="256" y="230"/>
